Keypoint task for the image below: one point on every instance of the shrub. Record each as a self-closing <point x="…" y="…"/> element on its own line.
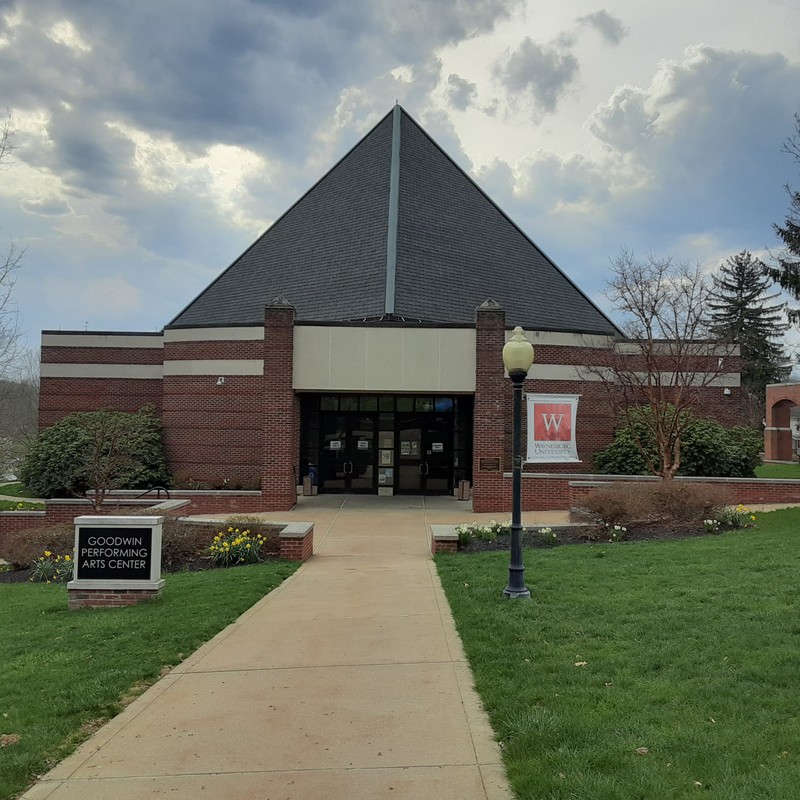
<point x="183" y="543"/>
<point x="270" y="534"/>
<point x="623" y="456"/>
<point x="617" y="503"/>
<point x="707" y="450"/>
<point x="664" y="502"/>
<point x="710" y="450"/>
<point x="686" y="503"/>
<point x="23" y="548"/>
<point x="99" y="450"/>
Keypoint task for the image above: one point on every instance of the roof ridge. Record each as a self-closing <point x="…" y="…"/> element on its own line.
<point x="394" y="210"/>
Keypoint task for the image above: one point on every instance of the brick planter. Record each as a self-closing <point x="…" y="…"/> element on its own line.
<point x="444" y="539"/>
<point x="297" y="541"/>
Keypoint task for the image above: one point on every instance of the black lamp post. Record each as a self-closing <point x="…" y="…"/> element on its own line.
<point x="517" y="357"/>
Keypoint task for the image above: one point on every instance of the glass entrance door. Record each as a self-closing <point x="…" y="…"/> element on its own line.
<point x="424" y="453"/>
<point x="386" y="443"/>
<point x="347" y="461"/>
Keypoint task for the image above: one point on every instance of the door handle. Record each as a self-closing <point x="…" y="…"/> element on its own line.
<point x="348" y="467"/>
<point x="423" y="468"/>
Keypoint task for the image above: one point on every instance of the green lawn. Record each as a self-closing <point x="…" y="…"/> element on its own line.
<point x="14" y="505"/>
<point x="778" y="471"/>
<point x="61" y="671"/>
<point x="687" y="648"/>
<point x="16" y="490"/>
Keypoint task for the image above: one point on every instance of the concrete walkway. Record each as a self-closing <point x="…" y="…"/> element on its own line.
<point x="348" y="681"/>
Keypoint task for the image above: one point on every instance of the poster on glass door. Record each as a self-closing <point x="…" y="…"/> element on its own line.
<point x="551" y="428"/>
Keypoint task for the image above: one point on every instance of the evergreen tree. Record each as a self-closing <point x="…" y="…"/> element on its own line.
<point x="786" y="268"/>
<point x="739" y="312"/>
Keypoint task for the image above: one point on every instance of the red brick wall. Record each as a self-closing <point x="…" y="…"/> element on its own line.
<point x="492" y="410"/>
<point x="281" y="435"/>
<point x="57" y="354"/>
<point x="59" y="397"/>
<point x="203" y="350"/>
<point x="213" y="433"/>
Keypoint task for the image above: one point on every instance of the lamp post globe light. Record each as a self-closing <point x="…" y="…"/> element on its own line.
<point x="517" y="358"/>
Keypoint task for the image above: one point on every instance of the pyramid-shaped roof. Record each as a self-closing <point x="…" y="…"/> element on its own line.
<point x="396" y="231"/>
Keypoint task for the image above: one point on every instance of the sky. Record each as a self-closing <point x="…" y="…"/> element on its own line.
<point x="156" y="140"/>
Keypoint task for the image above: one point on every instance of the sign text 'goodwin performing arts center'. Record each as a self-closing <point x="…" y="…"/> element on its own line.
<point x="113" y="553"/>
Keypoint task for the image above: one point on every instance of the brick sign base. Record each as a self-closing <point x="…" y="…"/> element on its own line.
<point x="108" y="598"/>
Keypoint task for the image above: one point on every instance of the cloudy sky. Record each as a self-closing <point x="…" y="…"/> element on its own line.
<point x="156" y="139"/>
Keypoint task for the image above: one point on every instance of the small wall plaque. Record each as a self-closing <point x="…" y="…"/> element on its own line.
<point x="489" y="464"/>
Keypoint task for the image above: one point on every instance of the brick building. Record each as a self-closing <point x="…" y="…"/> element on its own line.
<point x="359" y="340"/>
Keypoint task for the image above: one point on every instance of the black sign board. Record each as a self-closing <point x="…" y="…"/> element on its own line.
<point x="123" y="554"/>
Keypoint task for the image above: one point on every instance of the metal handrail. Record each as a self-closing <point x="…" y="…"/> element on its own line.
<point x="158" y="489"/>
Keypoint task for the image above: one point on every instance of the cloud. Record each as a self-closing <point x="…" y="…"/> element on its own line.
<point x="229" y="82"/>
<point x="609" y="26"/>
<point x="625" y="120"/>
<point x="711" y="119"/>
<point x="541" y="71"/>
<point x="459" y="93"/>
<point x="690" y="165"/>
<point x="47" y="206"/>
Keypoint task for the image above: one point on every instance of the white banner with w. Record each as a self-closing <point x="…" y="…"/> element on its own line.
<point x="551" y="427"/>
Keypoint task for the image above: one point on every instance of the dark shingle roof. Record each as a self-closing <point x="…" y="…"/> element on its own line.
<point x="455" y="248"/>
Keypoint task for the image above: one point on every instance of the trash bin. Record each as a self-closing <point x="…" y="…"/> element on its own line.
<point x="312" y="473"/>
<point x="463" y="490"/>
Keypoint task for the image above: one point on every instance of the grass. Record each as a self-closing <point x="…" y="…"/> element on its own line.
<point x="16" y="490"/>
<point x="63" y="671"/>
<point x="16" y="505"/>
<point x="778" y="471"/>
<point x="687" y="648"/>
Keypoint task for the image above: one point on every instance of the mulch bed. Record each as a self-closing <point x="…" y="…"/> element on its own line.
<point x="15" y="576"/>
<point x="586" y="534"/>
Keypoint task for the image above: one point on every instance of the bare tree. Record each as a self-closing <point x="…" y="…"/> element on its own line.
<point x="20" y="410"/>
<point x="10" y="332"/>
<point x="657" y="376"/>
<point x="6" y="138"/>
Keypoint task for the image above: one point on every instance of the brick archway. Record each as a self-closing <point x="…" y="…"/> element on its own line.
<point x="781" y="399"/>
